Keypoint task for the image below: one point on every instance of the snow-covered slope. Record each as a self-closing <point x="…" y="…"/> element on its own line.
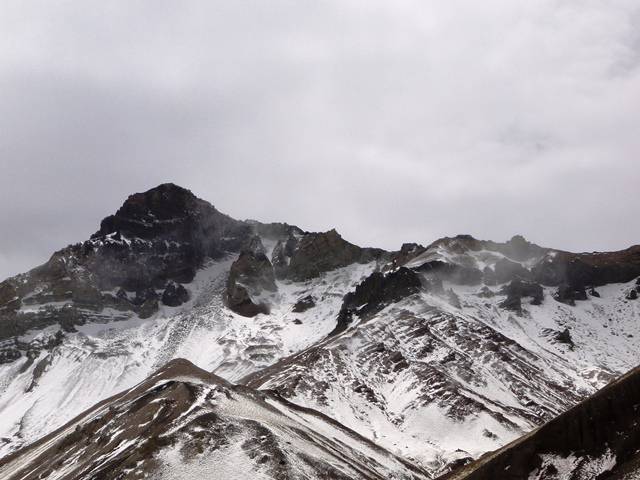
<point x="439" y="383"/>
<point x="438" y="354"/>
<point x="40" y="393"/>
<point x="597" y="439"/>
<point x="184" y="422"/>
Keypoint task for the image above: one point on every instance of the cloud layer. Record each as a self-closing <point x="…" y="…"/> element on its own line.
<point x="392" y="121"/>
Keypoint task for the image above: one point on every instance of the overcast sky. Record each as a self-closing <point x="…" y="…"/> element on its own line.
<point x="392" y="121"/>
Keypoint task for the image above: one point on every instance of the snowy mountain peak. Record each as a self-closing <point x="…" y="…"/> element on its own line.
<point x="437" y="354"/>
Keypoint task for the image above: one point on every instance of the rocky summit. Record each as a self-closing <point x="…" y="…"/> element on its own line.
<point x="306" y="356"/>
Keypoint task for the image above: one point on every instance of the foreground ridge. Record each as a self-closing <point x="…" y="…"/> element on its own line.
<point x="183" y="421"/>
<point x="597" y="439"/>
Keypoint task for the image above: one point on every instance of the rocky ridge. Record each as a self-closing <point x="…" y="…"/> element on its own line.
<point x="183" y="420"/>
<point x="597" y="439"/>
<point x="462" y="360"/>
<point x="438" y="353"/>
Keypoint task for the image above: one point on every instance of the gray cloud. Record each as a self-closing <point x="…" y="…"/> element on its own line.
<point x="392" y="121"/>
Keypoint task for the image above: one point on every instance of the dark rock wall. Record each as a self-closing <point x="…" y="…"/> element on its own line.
<point x="589" y="269"/>
<point x="321" y="252"/>
<point x="154" y="242"/>
<point x="250" y="275"/>
<point x="375" y="292"/>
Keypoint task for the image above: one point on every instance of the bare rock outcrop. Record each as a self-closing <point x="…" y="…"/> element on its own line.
<point x="517" y="290"/>
<point x="316" y="253"/>
<point x="250" y="277"/>
<point x="374" y="293"/>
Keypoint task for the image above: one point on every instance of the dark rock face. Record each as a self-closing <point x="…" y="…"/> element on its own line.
<point x="526" y="289"/>
<point x="174" y="295"/>
<point x="606" y="421"/>
<point x="569" y="295"/>
<point x="506" y="270"/>
<point x="518" y="289"/>
<point x="159" y="235"/>
<point x="407" y="252"/>
<point x="279" y="261"/>
<point x="172" y="213"/>
<point x="304" y="304"/>
<point x="520" y="249"/>
<point x="250" y="275"/>
<point x="282" y="254"/>
<point x="374" y="293"/>
<point x="513" y="303"/>
<point x="460" y="243"/>
<point x="144" y="295"/>
<point x="565" y="337"/>
<point x="589" y="269"/>
<point x="411" y="249"/>
<point x="146" y="302"/>
<point x="148" y="308"/>
<point x="239" y="300"/>
<point x="156" y="238"/>
<point x="317" y="253"/>
<point x="9" y="297"/>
